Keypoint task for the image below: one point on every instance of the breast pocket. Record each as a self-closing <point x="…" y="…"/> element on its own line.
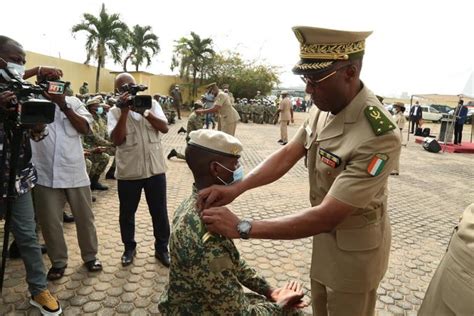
<point x="69" y="128"/>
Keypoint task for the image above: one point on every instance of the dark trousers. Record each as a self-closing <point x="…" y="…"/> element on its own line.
<point x="414" y="124"/>
<point x="178" y="110"/>
<point x="458" y="133"/>
<point x="129" y="192"/>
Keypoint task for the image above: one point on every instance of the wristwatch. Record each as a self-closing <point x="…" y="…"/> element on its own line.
<point x="146" y="113"/>
<point x="66" y="106"/>
<point x="244" y="227"/>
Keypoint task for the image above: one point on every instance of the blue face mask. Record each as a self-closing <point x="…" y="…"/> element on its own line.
<point x="209" y="97"/>
<point x="99" y="110"/>
<point x="237" y="174"/>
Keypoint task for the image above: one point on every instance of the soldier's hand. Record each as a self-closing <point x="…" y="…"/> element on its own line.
<point x="221" y="220"/>
<point x="290" y="295"/>
<point x="216" y="195"/>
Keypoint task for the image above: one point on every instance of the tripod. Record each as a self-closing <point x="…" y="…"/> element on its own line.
<point x="15" y="131"/>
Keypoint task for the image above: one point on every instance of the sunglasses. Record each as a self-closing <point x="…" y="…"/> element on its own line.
<point x="312" y="81"/>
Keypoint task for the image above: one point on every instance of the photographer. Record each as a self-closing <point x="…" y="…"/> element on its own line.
<point x="12" y="60"/>
<point x="140" y="165"/>
<point x="62" y="178"/>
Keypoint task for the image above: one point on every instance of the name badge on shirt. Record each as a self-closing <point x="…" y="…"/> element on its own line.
<point x="329" y="158"/>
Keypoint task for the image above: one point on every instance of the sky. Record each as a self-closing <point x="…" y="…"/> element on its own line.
<point x="417" y="46"/>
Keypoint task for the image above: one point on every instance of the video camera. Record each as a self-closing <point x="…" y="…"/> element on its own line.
<point x="29" y="110"/>
<point x="137" y="101"/>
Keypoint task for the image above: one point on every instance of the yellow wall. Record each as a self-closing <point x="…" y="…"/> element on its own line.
<point x="77" y="73"/>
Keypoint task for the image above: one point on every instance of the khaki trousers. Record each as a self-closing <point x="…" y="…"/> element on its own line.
<point x="284" y="130"/>
<point x="49" y="205"/>
<point x="228" y="128"/>
<point x="327" y="302"/>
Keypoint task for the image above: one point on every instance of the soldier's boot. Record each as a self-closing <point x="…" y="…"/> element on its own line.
<point x="182" y="130"/>
<point x="173" y="153"/>
<point x="96" y="185"/>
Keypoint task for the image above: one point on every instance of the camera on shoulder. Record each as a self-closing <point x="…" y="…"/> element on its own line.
<point x="139" y="102"/>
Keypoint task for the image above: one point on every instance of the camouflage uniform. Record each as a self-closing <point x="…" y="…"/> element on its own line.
<point x="98" y="137"/>
<point x="206" y="273"/>
<point x="168" y="110"/>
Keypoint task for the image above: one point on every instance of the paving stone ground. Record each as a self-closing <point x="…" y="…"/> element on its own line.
<point x="425" y="202"/>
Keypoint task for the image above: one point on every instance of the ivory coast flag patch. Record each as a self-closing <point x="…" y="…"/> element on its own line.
<point x="376" y="164"/>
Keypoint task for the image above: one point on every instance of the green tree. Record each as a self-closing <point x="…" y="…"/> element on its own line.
<point x="106" y="36"/>
<point x="142" y="45"/>
<point x="244" y="77"/>
<point x="192" y="55"/>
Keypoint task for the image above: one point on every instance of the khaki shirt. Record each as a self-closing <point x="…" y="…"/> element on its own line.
<point x="285" y="109"/>
<point x="341" y="151"/>
<point x="227" y="112"/>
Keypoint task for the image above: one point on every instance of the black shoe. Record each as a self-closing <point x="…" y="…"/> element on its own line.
<point x="182" y="130"/>
<point x="280" y="141"/>
<point x="283" y="143"/>
<point x="172" y="154"/>
<point x="43" y="248"/>
<point x="96" y="185"/>
<point x="163" y="257"/>
<point x="14" y="252"/>
<point x="94" y="199"/>
<point x="127" y="257"/>
<point x="394" y="173"/>
<point x="68" y="218"/>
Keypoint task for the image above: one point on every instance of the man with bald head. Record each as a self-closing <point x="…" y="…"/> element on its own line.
<point x="140" y="165"/>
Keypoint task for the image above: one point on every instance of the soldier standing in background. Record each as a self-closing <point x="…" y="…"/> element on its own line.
<point x="286" y="116"/>
<point x="177" y="100"/>
<point x="84" y="89"/>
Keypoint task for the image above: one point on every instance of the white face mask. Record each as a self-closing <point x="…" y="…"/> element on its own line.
<point x="100" y="110"/>
<point x="237" y="174"/>
<point x="13" y="71"/>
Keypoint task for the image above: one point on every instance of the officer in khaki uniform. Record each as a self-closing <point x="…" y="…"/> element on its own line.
<point x="228" y="116"/>
<point x="350" y="145"/>
<point x="451" y="291"/>
<point x="286" y="115"/>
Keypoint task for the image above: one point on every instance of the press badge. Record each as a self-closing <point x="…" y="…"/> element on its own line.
<point x="329" y="158"/>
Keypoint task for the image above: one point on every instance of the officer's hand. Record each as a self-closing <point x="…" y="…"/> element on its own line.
<point x="59" y="99"/>
<point x="87" y="153"/>
<point x="7" y="98"/>
<point x="289" y="296"/>
<point x="220" y="220"/>
<point x="216" y="195"/>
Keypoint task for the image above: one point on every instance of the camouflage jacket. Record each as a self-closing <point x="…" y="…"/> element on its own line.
<point x="98" y="135"/>
<point x="207" y="272"/>
<point x="195" y="122"/>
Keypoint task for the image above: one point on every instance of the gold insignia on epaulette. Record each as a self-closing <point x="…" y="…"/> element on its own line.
<point x="379" y="122"/>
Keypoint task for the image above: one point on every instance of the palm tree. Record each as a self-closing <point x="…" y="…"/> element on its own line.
<point x="106" y="36"/>
<point x="191" y="56"/>
<point x="141" y="40"/>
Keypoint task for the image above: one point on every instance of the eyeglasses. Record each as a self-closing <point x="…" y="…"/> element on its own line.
<point x="312" y="82"/>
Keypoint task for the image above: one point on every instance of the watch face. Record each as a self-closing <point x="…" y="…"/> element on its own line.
<point x="244" y="226"/>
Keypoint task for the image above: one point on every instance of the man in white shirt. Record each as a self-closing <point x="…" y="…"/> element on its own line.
<point x="140" y="165"/>
<point x="62" y="177"/>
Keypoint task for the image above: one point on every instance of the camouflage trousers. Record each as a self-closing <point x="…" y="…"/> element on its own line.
<point x="99" y="163"/>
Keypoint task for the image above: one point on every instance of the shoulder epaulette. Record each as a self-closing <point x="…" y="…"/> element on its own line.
<point x="378" y="120"/>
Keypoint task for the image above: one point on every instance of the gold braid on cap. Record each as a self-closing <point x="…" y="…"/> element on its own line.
<point x="331" y="51"/>
<point x="315" y="66"/>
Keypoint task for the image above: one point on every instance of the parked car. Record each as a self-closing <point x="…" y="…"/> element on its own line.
<point x="428" y="113"/>
<point x="443" y="109"/>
